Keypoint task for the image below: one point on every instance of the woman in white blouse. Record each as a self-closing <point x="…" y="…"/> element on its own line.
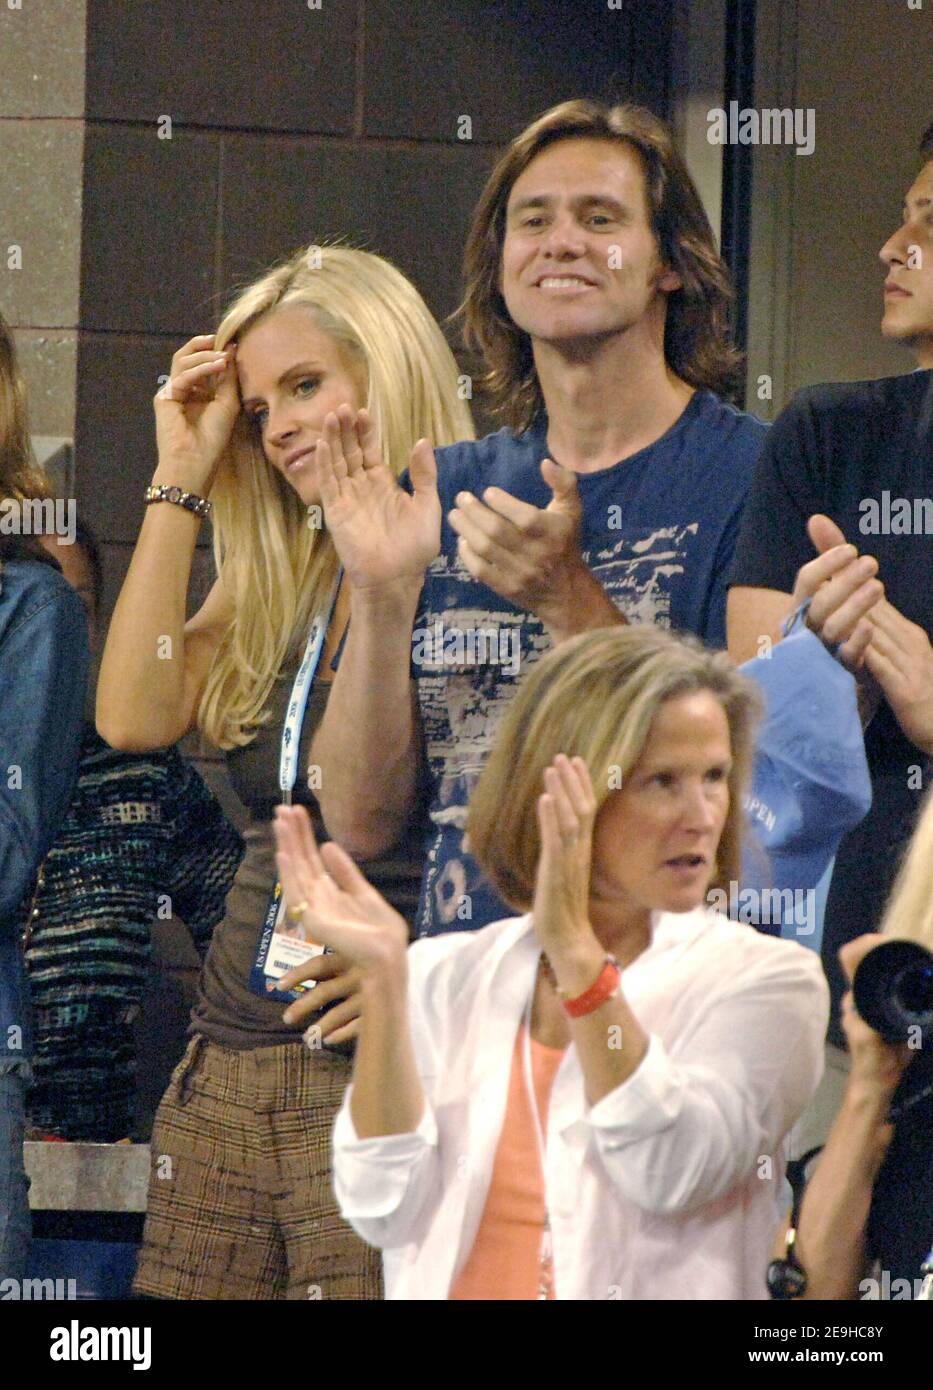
<point x="589" y="1100"/>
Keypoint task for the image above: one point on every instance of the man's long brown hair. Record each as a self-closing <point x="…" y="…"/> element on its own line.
<point x="697" y="345"/>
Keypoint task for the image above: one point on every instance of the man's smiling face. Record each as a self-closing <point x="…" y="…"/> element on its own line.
<point x="580" y="259"/>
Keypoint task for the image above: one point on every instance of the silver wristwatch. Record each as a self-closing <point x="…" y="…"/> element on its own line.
<point x="189" y="500"/>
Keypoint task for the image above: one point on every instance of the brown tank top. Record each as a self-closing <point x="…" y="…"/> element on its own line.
<point x="226" y="1011"/>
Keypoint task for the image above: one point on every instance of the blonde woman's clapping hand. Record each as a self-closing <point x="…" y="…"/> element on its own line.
<point x="382" y="533"/>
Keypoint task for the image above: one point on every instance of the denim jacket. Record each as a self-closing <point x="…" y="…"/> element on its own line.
<point x="43" y="675"/>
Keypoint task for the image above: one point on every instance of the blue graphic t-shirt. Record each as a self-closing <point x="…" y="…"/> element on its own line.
<point x="658" y="532"/>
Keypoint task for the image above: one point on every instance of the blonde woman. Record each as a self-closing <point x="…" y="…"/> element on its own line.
<point x="589" y="1100"/>
<point x="335" y="343"/>
<point x="866" y="1222"/>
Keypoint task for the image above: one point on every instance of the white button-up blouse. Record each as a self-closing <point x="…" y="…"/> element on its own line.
<point x="668" y="1187"/>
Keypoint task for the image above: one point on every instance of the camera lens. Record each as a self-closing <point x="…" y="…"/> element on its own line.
<point x="893" y="990"/>
<point x="915" y="990"/>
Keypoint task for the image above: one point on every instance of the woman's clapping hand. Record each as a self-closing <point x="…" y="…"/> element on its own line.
<point x="566" y="816"/>
<point x="383" y="534"/>
<point x="341" y="909"/>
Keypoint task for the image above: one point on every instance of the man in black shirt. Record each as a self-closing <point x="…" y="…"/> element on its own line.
<point x="854" y="463"/>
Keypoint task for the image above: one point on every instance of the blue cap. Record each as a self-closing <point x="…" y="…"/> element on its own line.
<point x="810" y="785"/>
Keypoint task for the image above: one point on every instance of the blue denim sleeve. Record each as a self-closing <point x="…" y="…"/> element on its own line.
<point x="43" y="677"/>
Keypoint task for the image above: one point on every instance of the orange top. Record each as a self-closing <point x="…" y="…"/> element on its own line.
<point x="505" y="1261"/>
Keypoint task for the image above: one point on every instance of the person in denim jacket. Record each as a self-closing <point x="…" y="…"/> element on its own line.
<point x="43" y="671"/>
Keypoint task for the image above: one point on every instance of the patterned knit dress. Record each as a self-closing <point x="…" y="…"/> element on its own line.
<point x="144" y="839"/>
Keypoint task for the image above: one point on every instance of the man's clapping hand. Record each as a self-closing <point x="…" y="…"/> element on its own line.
<point x="900" y="658"/>
<point x="531" y="555"/>
<point x="869" y="635"/>
<point x="842" y="588"/>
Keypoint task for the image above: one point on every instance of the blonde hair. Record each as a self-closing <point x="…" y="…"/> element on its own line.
<point x="20" y="476"/>
<point x="909" y="913"/>
<point x="595" y="697"/>
<point x="275" y="567"/>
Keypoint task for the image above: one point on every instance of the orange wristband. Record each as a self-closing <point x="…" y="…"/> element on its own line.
<point x="604" y="987"/>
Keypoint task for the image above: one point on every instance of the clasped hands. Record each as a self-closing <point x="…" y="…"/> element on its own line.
<point x="849" y="612"/>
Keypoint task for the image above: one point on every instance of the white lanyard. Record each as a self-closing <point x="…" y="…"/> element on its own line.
<point x="301" y="689"/>
<point x="262" y="978"/>
<point x="546" y="1257"/>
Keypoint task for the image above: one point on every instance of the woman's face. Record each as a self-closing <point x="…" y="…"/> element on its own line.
<point x="655" y="839"/>
<point x="291" y="376"/>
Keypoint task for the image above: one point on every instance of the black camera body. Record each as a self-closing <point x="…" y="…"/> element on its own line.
<point x="893" y="989"/>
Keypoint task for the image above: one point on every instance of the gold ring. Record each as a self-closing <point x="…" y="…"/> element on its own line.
<point x="295" y="914"/>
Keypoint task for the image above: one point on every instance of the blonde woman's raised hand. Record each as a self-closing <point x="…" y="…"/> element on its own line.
<point x="340" y="908"/>
<point x="195" y="413"/>
<point x="382" y="533"/>
<point x="566" y="816"/>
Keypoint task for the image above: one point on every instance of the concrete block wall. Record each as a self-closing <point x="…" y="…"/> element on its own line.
<point x="153" y="156"/>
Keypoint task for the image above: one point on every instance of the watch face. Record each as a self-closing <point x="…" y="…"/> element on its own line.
<point x="174" y="494"/>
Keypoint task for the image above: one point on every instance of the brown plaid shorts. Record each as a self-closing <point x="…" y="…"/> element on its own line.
<point x="241" y="1202"/>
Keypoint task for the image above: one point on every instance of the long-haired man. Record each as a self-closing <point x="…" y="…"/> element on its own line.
<point x="598" y="300"/>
